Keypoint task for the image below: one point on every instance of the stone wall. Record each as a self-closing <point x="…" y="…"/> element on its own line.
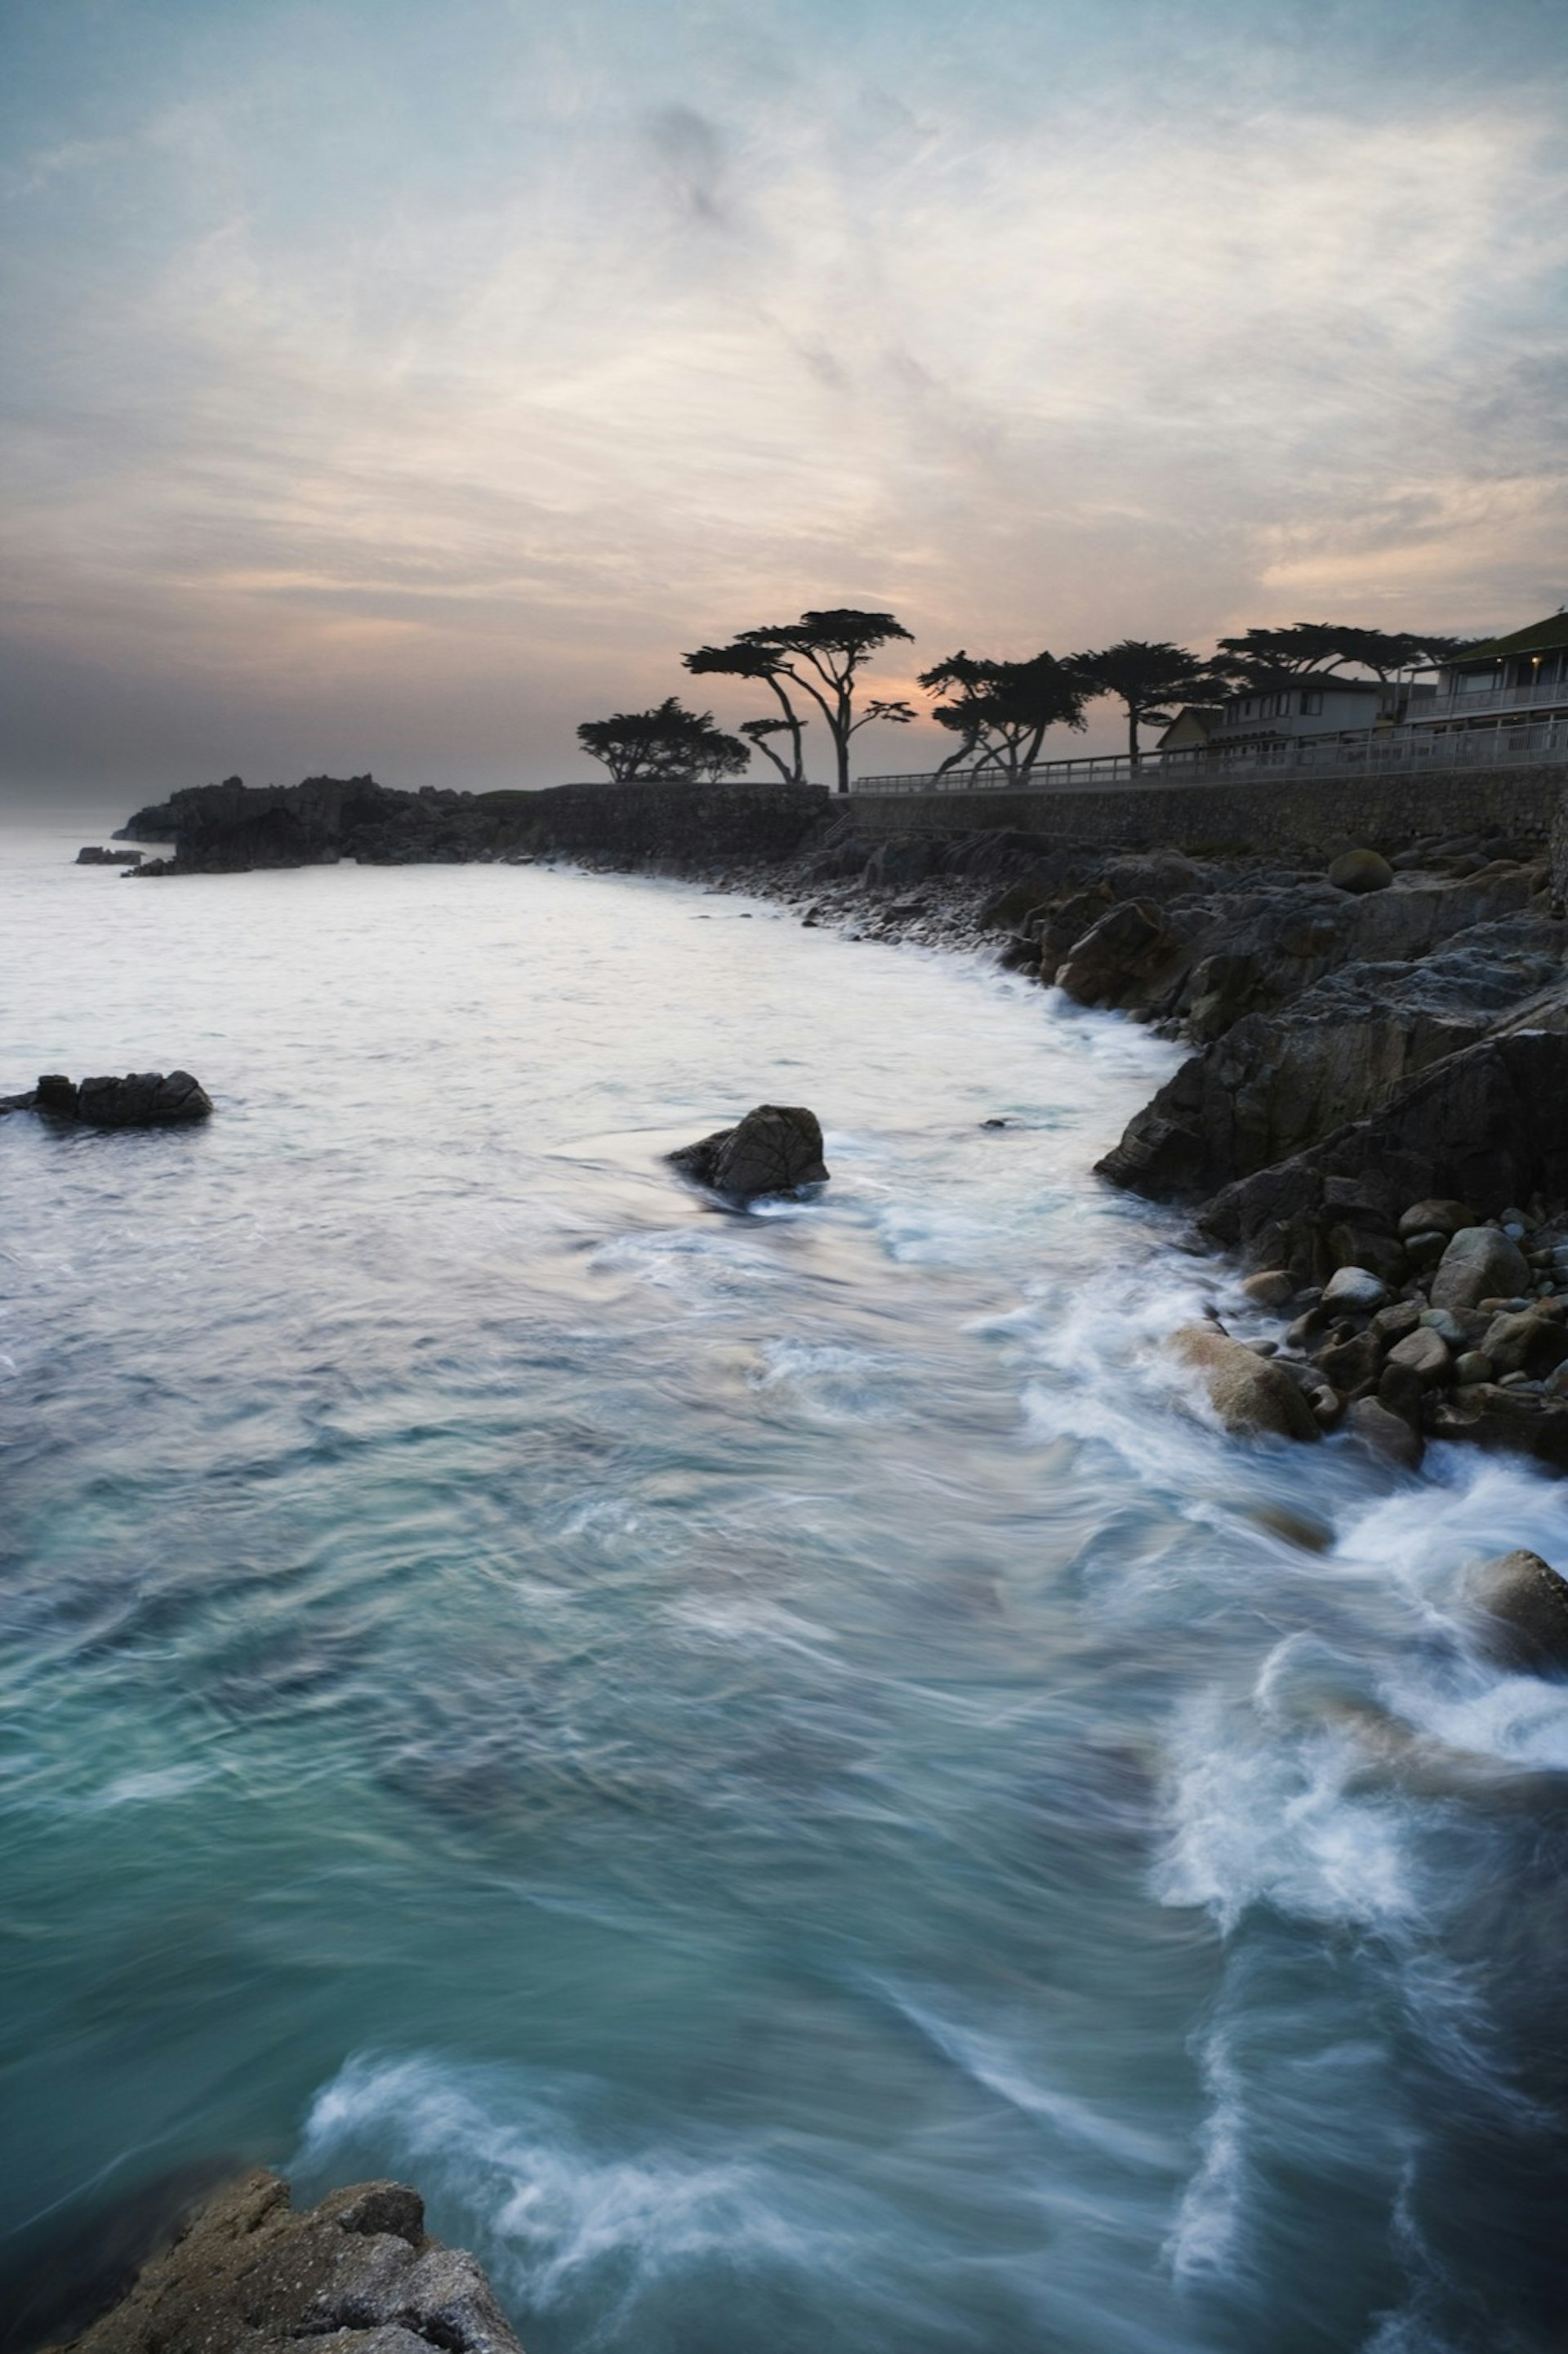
<point x="1272" y="813"/>
<point x="640" y="824"/>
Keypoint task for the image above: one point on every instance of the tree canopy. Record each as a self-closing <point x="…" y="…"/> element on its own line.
<point x="747" y="657"/>
<point x="1263" y="657"/>
<point x="668" y="744"/>
<point x="823" y="653"/>
<point x="1148" y="676"/>
<point x="1000" y="710"/>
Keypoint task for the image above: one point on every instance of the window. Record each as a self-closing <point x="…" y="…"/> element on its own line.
<point x="1311" y="702"/>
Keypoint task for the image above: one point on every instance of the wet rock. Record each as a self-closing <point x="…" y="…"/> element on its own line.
<point x="1349" y="1364"/>
<point x="1274" y="1288"/>
<point x="776" y="1148"/>
<point x="1503" y="1420"/>
<point x="1354" y="1290"/>
<point x="1481" y="1263"/>
<point x="1359" y="871"/>
<point x="1472" y="1365"/>
<point x="1426" y="1355"/>
<point x="249" y="2275"/>
<point x="1249" y="1394"/>
<point x="1424" y="1250"/>
<point x="1526" y="1342"/>
<point x="145" y="1099"/>
<point x="1525" y="1601"/>
<point x="1436" y="1217"/>
<point x="1388" y="1433"/>
<point x="1100" y="965"/>
<point x="1392" y="1323"/>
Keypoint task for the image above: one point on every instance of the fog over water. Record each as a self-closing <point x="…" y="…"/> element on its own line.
<point x="778" y="1764"/>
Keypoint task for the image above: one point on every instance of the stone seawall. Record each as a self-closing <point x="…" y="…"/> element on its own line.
<point x="1268" y="814"/>
<point x="642" y="823"/>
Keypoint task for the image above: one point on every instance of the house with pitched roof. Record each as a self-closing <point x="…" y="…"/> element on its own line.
<point x="1521" y="676"/>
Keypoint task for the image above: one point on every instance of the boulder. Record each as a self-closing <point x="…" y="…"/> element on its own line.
<point x="1443" y="1218"/>
<point x="1388" y="1433"/>
<point x="1481" y="1263"/>
<point x="1109" y="956"/>
<point x="1359" y="871"/>
<point x="1250" y="1394"/>
<point x="145" y="1099"/>
<point x="1354" y="1291"/>
<point x="1275" y="1287"/>
<point x="1525" y="1601"/>
<point x="1426" y="1354"/>
<point x="1525" y="1342"/>
<point x="776" y="1148"/>
<point x="249" y="2275"/>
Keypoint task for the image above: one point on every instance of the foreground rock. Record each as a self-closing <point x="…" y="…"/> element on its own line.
<point x="1250" y="1394"/>
<point x="1525" y="1605"/>
<point x="248" y="2275"/>
<point x="142" y="1099"/>
<point x="776" y="1148"/>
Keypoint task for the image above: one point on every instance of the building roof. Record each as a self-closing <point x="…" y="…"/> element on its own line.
<point x="1287" y="680"/>
<point x="1539" y="638"/>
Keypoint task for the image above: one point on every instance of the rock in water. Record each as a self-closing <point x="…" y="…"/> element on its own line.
<point x="1527" y="1603"/>
<point x="1481" y="1263"/>
<point x="1388" y="1432"/>
<point x="248" y="2275"/>
<point x="776" y="1148"/>
<point x="145" y="1099"/>
<point x="1248" y="1393"/>
<point x="1360" y="870"/>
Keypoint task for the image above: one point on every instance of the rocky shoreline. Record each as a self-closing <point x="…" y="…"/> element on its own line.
<point x="1378" y="1033"/>
<point x="1373" y="1118"/>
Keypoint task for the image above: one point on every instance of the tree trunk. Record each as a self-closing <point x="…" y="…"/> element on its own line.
<point x="1132" y="734"/>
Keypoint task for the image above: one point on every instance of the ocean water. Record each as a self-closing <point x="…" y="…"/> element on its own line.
<point x="778" y="1764"/>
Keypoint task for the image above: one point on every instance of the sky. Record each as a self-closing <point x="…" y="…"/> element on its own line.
<point x="390" y="384"/>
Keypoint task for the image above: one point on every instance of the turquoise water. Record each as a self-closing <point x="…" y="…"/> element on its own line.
<point x="777" y="1765"/>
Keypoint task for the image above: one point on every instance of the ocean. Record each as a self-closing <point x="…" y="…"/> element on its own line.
<point x="778" y="1765"/>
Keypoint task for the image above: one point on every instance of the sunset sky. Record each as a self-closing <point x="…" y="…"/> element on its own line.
<point x="390" y="384"/>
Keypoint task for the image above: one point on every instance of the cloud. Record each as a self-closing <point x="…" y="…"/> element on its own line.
<point x="581" y="344"/>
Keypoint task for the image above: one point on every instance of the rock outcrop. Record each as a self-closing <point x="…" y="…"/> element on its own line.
<point x="776" y="1148"/>
<point x="141" y="1099"/>
<point x="248" y="2274"/>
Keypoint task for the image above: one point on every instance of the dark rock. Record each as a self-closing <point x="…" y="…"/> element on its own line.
<point x="145" y="1099"/>
<point x="1100" y="965"/>
<point x="1481" y="1263"/>
<point x="1443" y="1218"/>
<point x="1527" y="1342"/>
<point x="1393" y="1323"/>
<point x="1360" y="870"/>
<point x="1502" y="1420"/>
<point x="58" y="1094"/>
<point x="1371" y="1421"/>
<point x="248" y="2275"/>
<point x="776" y="1148"/>
<point x="1525" y="1603"/>
<point x="1354" y="1289"/>
<point x="1471" y="1365"/>
<point x="1351" y="1364"/>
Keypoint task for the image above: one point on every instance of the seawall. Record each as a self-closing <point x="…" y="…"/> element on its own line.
<point x="679" y="821"/>
<point x="1264" y="814"/>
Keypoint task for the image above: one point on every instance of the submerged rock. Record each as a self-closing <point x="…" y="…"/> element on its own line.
<point x="249" y="2275"/>
<point x="1247" y="1393"/>
<point x="776" y="1148"/>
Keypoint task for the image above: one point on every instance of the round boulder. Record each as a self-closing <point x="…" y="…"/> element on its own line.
<point x="1354" y="1291"/>
<point x="1524" y="1603"/>
<point x="1249" y="1394"/>
<point x="1360" y="870"/>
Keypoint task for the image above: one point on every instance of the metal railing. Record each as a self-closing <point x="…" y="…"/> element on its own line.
<point x="1366" y="751"/>
<point x="1491" y="701"/>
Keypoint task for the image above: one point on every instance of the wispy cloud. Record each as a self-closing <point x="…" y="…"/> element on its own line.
<point x="377" y="398"/>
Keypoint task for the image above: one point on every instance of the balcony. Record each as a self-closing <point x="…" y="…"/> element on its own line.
<point x="1488" y="702"/>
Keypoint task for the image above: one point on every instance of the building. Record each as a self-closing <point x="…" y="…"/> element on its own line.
<point x="1320" y="702"/>
<point x="1503" y="680"/>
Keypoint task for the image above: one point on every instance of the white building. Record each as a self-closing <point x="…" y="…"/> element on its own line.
<point x="1522" y="676"/>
